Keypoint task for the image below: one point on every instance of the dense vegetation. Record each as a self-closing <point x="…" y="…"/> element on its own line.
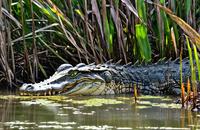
<point x="38" y="35"/>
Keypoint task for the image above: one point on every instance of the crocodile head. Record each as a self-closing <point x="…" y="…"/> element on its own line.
<point x="81" y="79"/>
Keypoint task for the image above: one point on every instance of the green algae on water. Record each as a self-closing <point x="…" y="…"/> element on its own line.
<point x="15" y="97"/>
<point x="97" y="102"/>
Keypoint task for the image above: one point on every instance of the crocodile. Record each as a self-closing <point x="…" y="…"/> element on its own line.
<point x="112" y="78"/>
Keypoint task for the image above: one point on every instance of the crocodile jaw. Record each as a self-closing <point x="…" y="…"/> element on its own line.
<point x="82" y="86"/>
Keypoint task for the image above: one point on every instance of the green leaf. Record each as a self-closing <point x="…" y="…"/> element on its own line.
<point x="197" y="60"/>
<point x="108" y="36"/>
<point x="193" y="74"/>
<point x="143" y="42"/>
<point x="141" y="10"/>
<point x="188" y="4"/>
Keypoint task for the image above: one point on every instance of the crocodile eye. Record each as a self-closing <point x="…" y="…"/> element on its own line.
<point x="73" y="73"/>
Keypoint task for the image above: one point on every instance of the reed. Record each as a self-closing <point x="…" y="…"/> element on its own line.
<point x="188" y="98"/>
<point x="135" y="93"/>
<point x="42" y="34"/>
<point x="197" y="61"/>
<point x="193" y="74"/>
<point x="182" y="95"/>
<point x="181" y="67"/>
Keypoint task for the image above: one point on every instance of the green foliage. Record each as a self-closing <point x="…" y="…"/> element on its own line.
<point x="45" y="34"/>
<point x="143" y="43"/>
<point x="197" y="61"/>
<point x="141" y="33"/>
<point x="193" y="70"/>
<point x="193" y="73"/>
<point x="188" y="4"/>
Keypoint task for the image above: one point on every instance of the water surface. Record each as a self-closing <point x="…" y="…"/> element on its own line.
<point x="94" y="112"/>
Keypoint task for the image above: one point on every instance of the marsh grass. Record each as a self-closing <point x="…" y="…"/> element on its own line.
<point x="42" y="34"/>
<point x="182" y="95"/>
<point x="194" y="67"/>
<point x="135" y="93"/>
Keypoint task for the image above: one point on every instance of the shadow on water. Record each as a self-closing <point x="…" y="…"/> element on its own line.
<point x="102" y="112"/>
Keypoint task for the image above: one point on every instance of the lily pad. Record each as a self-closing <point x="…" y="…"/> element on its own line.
<point x="19" y="123"/>
<point x="162" y="128"/>
<point x="95" y="127"/>
<point x="71" y="108"/>
<point x="15" y="97"/>
<point x="124" y="98"/>
<point x="143" y="107"/>
<point x="44" y="102"/>
<point x="97" y="102"/>
<point x="165" y="105"/>
<point x="145" y="102"/>
<point x="151" y="97"/>
<point x="84" y="113"/>
<point x="58" y="123"/>
<point x="8" y="97"/>
<point x="124" y="128"/>
<point x="167" y="99"/>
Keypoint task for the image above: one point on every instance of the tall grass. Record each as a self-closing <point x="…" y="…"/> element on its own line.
<point x="6" y="72"/>
<point x="42" y="34"/>
<point x="193" y="70"/>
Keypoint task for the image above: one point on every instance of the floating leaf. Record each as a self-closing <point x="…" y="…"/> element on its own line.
<point x="97" y="102"/>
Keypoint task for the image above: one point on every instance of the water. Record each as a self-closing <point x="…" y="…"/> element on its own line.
<point x="102" y="112"/>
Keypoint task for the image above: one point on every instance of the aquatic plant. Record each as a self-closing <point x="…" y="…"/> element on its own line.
<point x="188" y="98"/>
<point x="135" y="93"/>
<point x="182" y="95"/>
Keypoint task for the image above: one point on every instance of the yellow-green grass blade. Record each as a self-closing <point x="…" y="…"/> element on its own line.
<point x="197" y="60"/>
<point x="143" y="42"/>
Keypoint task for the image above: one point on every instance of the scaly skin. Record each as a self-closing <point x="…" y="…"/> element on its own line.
<point x="108" y="78"/>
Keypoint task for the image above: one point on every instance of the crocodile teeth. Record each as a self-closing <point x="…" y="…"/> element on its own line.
<point x="49" y="93"/>
<point x="45" y="93"/>
<point x="38" y="94"/>
<point x="53" y="92"/>
<point x="21" y="94"/>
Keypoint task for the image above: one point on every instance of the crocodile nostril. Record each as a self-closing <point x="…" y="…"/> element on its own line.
<point x="29" y="87"/>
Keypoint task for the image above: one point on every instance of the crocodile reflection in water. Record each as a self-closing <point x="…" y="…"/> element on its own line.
<point x="109" y="78"/>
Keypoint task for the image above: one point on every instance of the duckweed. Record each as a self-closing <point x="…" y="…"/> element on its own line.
<point x="97" y="102"/>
